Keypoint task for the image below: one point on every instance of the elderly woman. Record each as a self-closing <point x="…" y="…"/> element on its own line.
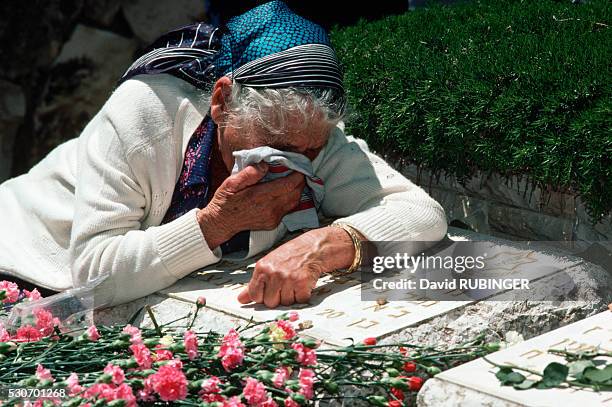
<point x="150" y="192"/>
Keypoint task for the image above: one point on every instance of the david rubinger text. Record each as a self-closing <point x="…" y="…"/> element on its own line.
<point x="452" y="284"/>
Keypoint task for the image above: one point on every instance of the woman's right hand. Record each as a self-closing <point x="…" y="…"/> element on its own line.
<point x="240" y="203"/>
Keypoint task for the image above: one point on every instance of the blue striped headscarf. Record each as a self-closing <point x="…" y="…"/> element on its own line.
<point x="267" y="47"/>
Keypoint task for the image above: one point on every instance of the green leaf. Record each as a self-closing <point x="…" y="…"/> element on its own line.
<point x="543" y="385"/>
<point x="507" y="376"/>
<point x="554" y="374"/>
<point x="331" y="387"/>
<point x="503" y="373"/>
<point x="514" y="378"/>
<point x="525" y="384"/>
<point x="595" y="375"/>
<point x="299" y="398"/>
<point x="377" y="401"/>
<point x="576" y="368"/>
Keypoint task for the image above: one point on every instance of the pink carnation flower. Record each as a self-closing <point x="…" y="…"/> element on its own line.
<point x="43" y="374"/>
<point x="100" y="391"/>
<point x="170" y="383"/>
<point x="289" y="402"/>
<point x="124" y="392"/>
<point x="146" y="393"/>
<point x="254" y="392"/>
<point x="175" y="363"/>
<point x="28" y="333"/>
<point x="305" y="355"/>
<point x="234" y="401"/>
<point x="73" y="385"/>
<point x="280" y="377"/>
<point x="92" y="333"/>
<point x="293" y="316"/>
<point x="306" y="378"/>
<point x="130" y="330"/>
<point x="211" y="385"/>
<point x="269" y="402"/>
<point x="115" y="372"/>
<point x="142" y="355"/>
<point x="11" y="291"/>
<point x="32" y="295"/>
<point x="45" y="321"/>
<point x="287" y="328"/>
<point x="201" y="301"/>
<point x="110" y="392"/>
<point x="162" y="354"/>
<point x="135" y="334"/>
<point x="4" y="335"/>
<point x="231" y="351"/>
<point x="212" y="398"/>
<point x="191" y="344"/>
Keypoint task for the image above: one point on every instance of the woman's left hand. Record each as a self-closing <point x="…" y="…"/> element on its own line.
<point x="289" y="273"/>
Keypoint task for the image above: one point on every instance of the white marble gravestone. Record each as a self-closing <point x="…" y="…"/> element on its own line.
<point x="475" y="384"/>
<point x="336" y="309"/>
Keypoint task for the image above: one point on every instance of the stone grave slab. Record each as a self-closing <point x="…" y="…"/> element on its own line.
<point x="475" y="384"/>
<point x="337" y="309"/>
<point x="166" y="311"/>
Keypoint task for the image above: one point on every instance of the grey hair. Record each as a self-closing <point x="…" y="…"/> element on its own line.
<point x="271" y="109"/>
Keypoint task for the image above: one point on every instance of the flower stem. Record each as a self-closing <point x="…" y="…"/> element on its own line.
<point x="150" y="312"/>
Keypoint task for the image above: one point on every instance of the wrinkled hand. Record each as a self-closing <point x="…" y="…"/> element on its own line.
<point x="240" y="203"/>
<point x="289" y="273"/>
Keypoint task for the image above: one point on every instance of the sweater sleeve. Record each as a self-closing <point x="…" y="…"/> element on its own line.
<point x="366" y="193"/>
<point x="114" y="164"/>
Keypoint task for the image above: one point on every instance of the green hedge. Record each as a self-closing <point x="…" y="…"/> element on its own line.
<point x="514" y="87"/>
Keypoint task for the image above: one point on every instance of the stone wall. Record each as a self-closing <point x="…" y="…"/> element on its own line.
<point x="60" y="62"/>
<point x="511" y="207"/>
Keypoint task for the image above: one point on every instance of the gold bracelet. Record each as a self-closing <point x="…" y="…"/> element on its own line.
<point x="356" y="243"/>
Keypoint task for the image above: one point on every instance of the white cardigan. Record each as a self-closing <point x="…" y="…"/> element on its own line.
<point x="94" y="205"/>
